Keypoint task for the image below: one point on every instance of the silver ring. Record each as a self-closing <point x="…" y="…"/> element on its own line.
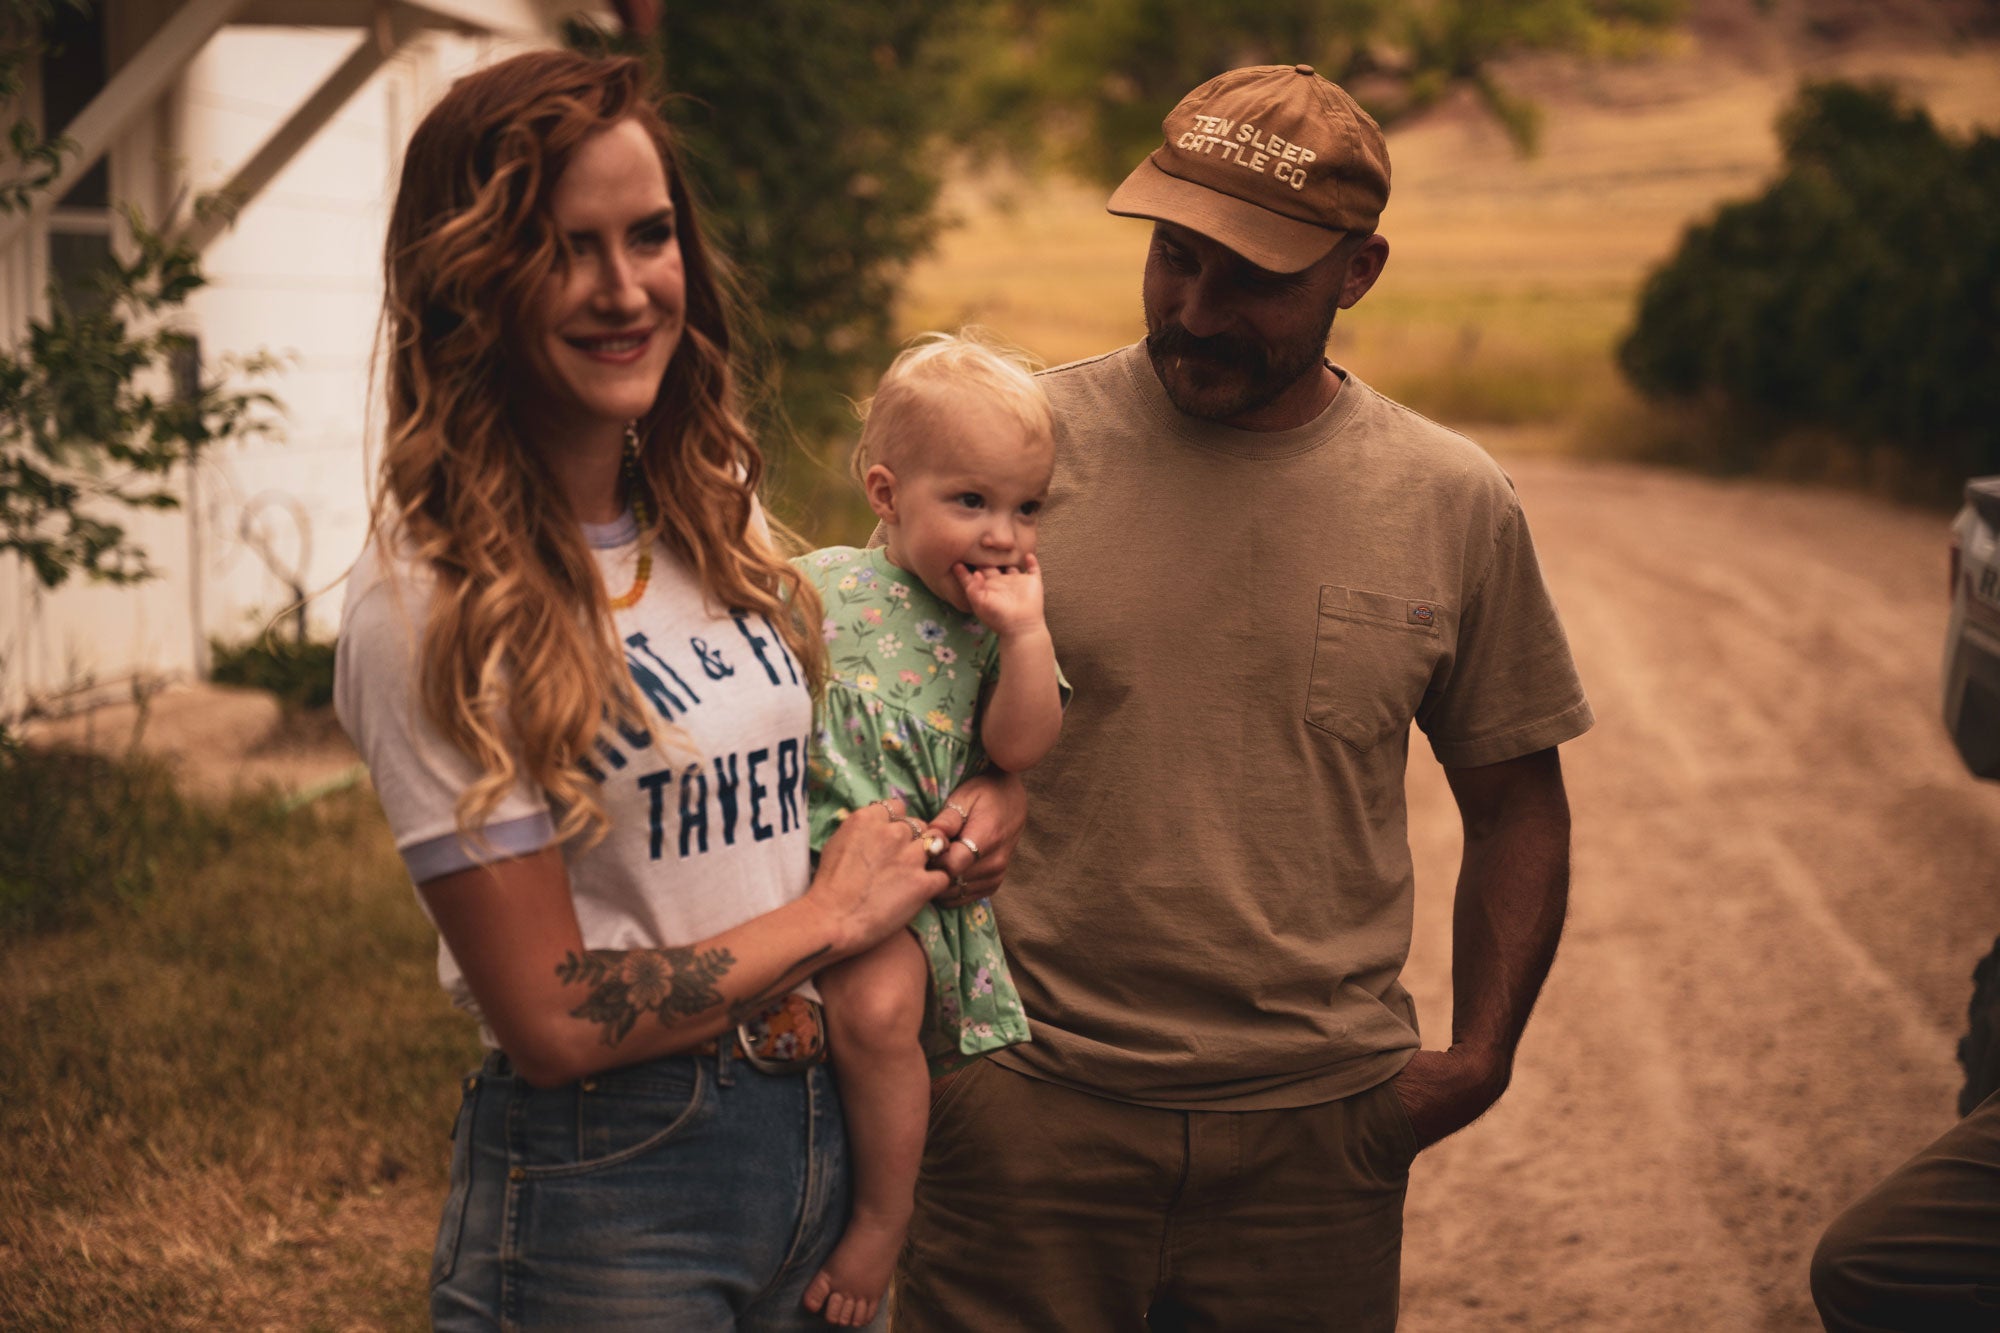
<point x="970" y="845"/>
<point x="963" y="813"/>
<point x="958" y="882"/>
<point x="917" y="826"/>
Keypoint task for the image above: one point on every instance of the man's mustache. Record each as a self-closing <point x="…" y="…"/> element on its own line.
<point x="1173" y="341"/>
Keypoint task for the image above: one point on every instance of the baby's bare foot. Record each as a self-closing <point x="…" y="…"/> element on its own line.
<point x="848" y="1291"/>
<point x="837" y="1309"/>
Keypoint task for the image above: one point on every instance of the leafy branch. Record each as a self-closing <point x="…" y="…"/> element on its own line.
<point x="103" y="397"/>
<point x="1082" y="84"/>
<point x="37" y="157"/>
<point x="97" y="405"/>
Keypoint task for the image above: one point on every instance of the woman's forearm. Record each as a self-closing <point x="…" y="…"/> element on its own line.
<point x="561" y="1010"/>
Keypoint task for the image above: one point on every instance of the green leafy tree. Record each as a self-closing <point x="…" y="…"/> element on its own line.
<point x="1857" y="297"/>
<point x="1085" y="83"/>
<point x="103" y="397"/>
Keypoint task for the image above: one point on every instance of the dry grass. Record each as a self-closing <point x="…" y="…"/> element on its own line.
<point x="242" y="1087"/>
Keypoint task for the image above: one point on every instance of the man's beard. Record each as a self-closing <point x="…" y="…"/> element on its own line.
<point x="1221" y="377"/>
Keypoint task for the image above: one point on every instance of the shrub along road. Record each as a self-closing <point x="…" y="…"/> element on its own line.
<point x="1782" y="879"/>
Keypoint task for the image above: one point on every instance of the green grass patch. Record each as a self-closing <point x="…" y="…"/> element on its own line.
<point x="80" y="831"/>
<point x="1485" y="358"/>
<point x="1719" y="440"/>
<point x="242" y="1082"/>
<point x="299" y="673"/>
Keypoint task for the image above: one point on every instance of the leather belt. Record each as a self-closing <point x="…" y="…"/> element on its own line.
<point x="786" y="1037"/>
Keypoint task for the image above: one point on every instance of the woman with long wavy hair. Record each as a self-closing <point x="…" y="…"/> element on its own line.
<point x="582" y="678"/>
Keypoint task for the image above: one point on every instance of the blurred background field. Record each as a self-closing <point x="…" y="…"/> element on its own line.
<point x="230" y="1071"/>
<point x="1511" y="276"/>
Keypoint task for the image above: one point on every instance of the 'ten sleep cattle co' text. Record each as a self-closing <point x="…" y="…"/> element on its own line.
<point x="1241" y="142"/>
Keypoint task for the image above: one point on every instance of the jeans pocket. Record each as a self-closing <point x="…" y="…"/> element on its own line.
<point x="609" y="1118"/>
<point x="451" y="1223"/>
<point x="1373" y="657"/>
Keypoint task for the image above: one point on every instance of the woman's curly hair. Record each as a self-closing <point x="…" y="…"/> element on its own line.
<point x="520" y="662"/>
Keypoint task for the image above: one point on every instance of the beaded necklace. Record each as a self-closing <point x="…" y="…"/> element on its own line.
<point x="634" y="485"/>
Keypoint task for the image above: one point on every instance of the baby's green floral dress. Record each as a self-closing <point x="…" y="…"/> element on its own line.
<point x="898" y="720"/>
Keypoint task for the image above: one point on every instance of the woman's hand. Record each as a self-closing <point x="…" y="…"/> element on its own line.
<point x="872" y="874"/>
<point x="983" y="818"/>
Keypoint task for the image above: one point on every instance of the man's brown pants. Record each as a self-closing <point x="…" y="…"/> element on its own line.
<point x="1920" y="1253"/>
<point x="1050" y="1210"/>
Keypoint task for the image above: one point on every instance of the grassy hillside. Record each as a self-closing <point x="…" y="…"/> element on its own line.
<point x="1510" y="277"/>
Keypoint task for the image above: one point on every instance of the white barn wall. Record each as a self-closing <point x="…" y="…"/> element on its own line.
<point x="83" y="634"/>
<point x="21" y="277"/>
<point x="297" y="275"/>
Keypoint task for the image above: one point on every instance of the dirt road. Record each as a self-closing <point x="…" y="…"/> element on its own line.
<point x="1782" y="880"/>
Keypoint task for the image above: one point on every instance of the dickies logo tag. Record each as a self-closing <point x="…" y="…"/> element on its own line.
<point x="1422" y="613"/>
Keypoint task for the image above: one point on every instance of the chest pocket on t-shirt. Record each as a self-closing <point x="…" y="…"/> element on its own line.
<point x="1372" y="660"/>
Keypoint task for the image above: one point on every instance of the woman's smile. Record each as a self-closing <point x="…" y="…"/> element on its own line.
<point x="616" y="348"/>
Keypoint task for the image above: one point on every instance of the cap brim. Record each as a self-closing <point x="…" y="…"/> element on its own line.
<point x="1268" y="240"/>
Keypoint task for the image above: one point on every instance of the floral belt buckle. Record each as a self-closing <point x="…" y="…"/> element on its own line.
<point x="786" y="1038"/>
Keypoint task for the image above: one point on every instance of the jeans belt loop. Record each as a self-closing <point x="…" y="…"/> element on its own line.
<point x="724" y="1076"/>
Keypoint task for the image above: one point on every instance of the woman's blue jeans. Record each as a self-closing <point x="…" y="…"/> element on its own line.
<point x="688" y="1193"/>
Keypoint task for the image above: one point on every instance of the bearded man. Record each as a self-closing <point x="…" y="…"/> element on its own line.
<point x="1260" y="573"/>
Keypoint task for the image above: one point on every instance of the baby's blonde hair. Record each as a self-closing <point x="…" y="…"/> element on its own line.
<point x="933" y="373"/>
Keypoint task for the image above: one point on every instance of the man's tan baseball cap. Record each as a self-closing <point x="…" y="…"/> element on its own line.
<point x="1273" y="161"/>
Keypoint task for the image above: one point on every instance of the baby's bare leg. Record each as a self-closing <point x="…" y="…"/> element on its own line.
<point x="874" y="1005"/>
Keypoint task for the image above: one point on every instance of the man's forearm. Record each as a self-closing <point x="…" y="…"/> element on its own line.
<point x="1513" y="889"/>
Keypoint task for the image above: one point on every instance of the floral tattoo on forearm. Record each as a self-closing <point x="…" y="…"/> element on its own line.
<point x="624" y="983"/>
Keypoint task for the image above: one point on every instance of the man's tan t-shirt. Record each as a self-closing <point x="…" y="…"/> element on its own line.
<point x="1212" y="901"/>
